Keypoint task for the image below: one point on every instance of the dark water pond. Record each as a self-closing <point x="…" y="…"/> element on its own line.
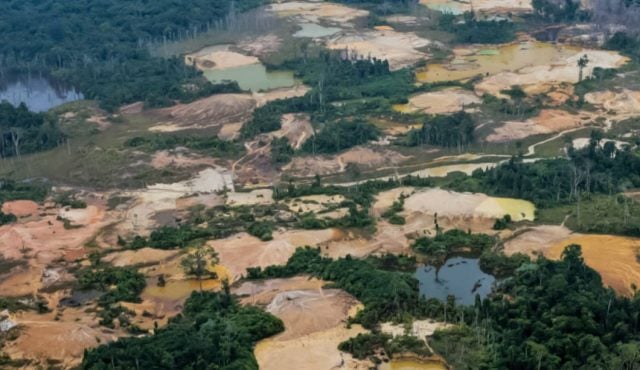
<point x="459" y="276"/>
<point x="38" y="93"/>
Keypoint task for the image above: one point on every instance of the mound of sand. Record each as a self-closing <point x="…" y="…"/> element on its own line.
<point x="540" y="78"/>
<point x="144" y="256"/>
<point x="419" y="328"/>
<point x="309" y="311"/>
<point x="20" y="208"/>
<point x="625" y="102"/>
<point x="536" y="239"/>
<point x="264" y="291"/>
<point x="614" y="257"/>
<point x="314" y="12"/>
<point x="213" y="111"/>
<point x="317" y="351"/>
<point x="296" y="128"/>
<point x="241" y="251"/>
<point x="399" y="48"/>
<point x="547" y="122"/>
<point x="53" y="340"/>
<point x="451" y="204"/>
<point x="216" y="58"/>
<point x="440" y="102"/>
<point x="364" y="157"/>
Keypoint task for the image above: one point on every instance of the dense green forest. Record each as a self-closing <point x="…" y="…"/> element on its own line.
<point x="594" y="169"/>
<point x="24" y="132"/>
<point x="452" y="131"/>
<point x="340" y="135"/>
<point x="100" y="46"/>
<point x="213" y="332"/>
<point x="472" y="30"/>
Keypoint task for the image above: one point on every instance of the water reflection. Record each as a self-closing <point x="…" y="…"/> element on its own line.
<point x="37" y="92"/>
<point x="459" y="276"/>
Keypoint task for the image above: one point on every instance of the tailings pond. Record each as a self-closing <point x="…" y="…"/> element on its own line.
<point x="459" y="276"/>
<point x="254" y="77"/>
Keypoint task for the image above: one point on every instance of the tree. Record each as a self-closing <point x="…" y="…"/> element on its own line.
<point x="582" y="63"/>
<point x="199" y="262"/>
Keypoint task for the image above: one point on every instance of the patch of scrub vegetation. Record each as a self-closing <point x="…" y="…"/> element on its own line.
<point x="471" y="30"/>
<point x="452" y="131"/>
<point x="21" y="190"/>
<point x="110" y="62"/>
<point x="337" y="136"/>
<point x="24" y="132"/>
<point x="597" y="213"/>
<point x="210" y="145"/>
<point x="119" y="284"/>
<point x="367" y="345"/>
<point x="213" y="330"/>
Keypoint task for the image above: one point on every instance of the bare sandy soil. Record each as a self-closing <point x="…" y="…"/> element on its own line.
<point x="401" y="49"/>
<point x="310" y="311"/>
<point x="296" y="128"/>
<point x="260" y="46"/>
<point x="213" y="111"/>
<point x="317" y="351"/>
<point x="264" y="291"/>
<point x="485" y="6"/>
<point x="451" y="204"/>
<point x="536" y="239"/>
<point x="144" y="256"/>
<point x="548" y="121"/>
<point x="419" y="328"/>
<point x="180" y="159"/>
<point x="614" y="257"/>
<point x="20" y="208"/>
<point x="440" y="102"/>
<point x="542" y="78"/>
<point x="241" y="251"/>
<point x="315" y="12"/>
<point x="617" y="105"/>
<point x="218" y="57"/>
<point x="364" y="157"/>
<point x="62" y="341"/>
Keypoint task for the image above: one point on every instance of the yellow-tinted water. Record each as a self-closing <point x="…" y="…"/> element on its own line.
<point x="518" y="209"/>
<point x="181" y="289"/>
<point x="509" y="57"/>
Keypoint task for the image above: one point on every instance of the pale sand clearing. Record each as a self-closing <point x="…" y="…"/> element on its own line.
<point x="62" y="341"/>
<point x="315" y="12"/>
<point x="536" y="239"/>
<point x="262" y="292"/>
<point x="217" y="58"/>
<point x="241" y="251"/>
<point x="364" y="157"/>
<point x="310" y="311"/>
<point x="548" y="121"/>
<point x="317" y="351"/>
<point x="584" y="142"/>
<point x="486" y="6"/>
<point x="214" y="111"/>
<point x="400" y="49"/>
<point x="439" y="102"/>
<point x="146" y="256"/>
